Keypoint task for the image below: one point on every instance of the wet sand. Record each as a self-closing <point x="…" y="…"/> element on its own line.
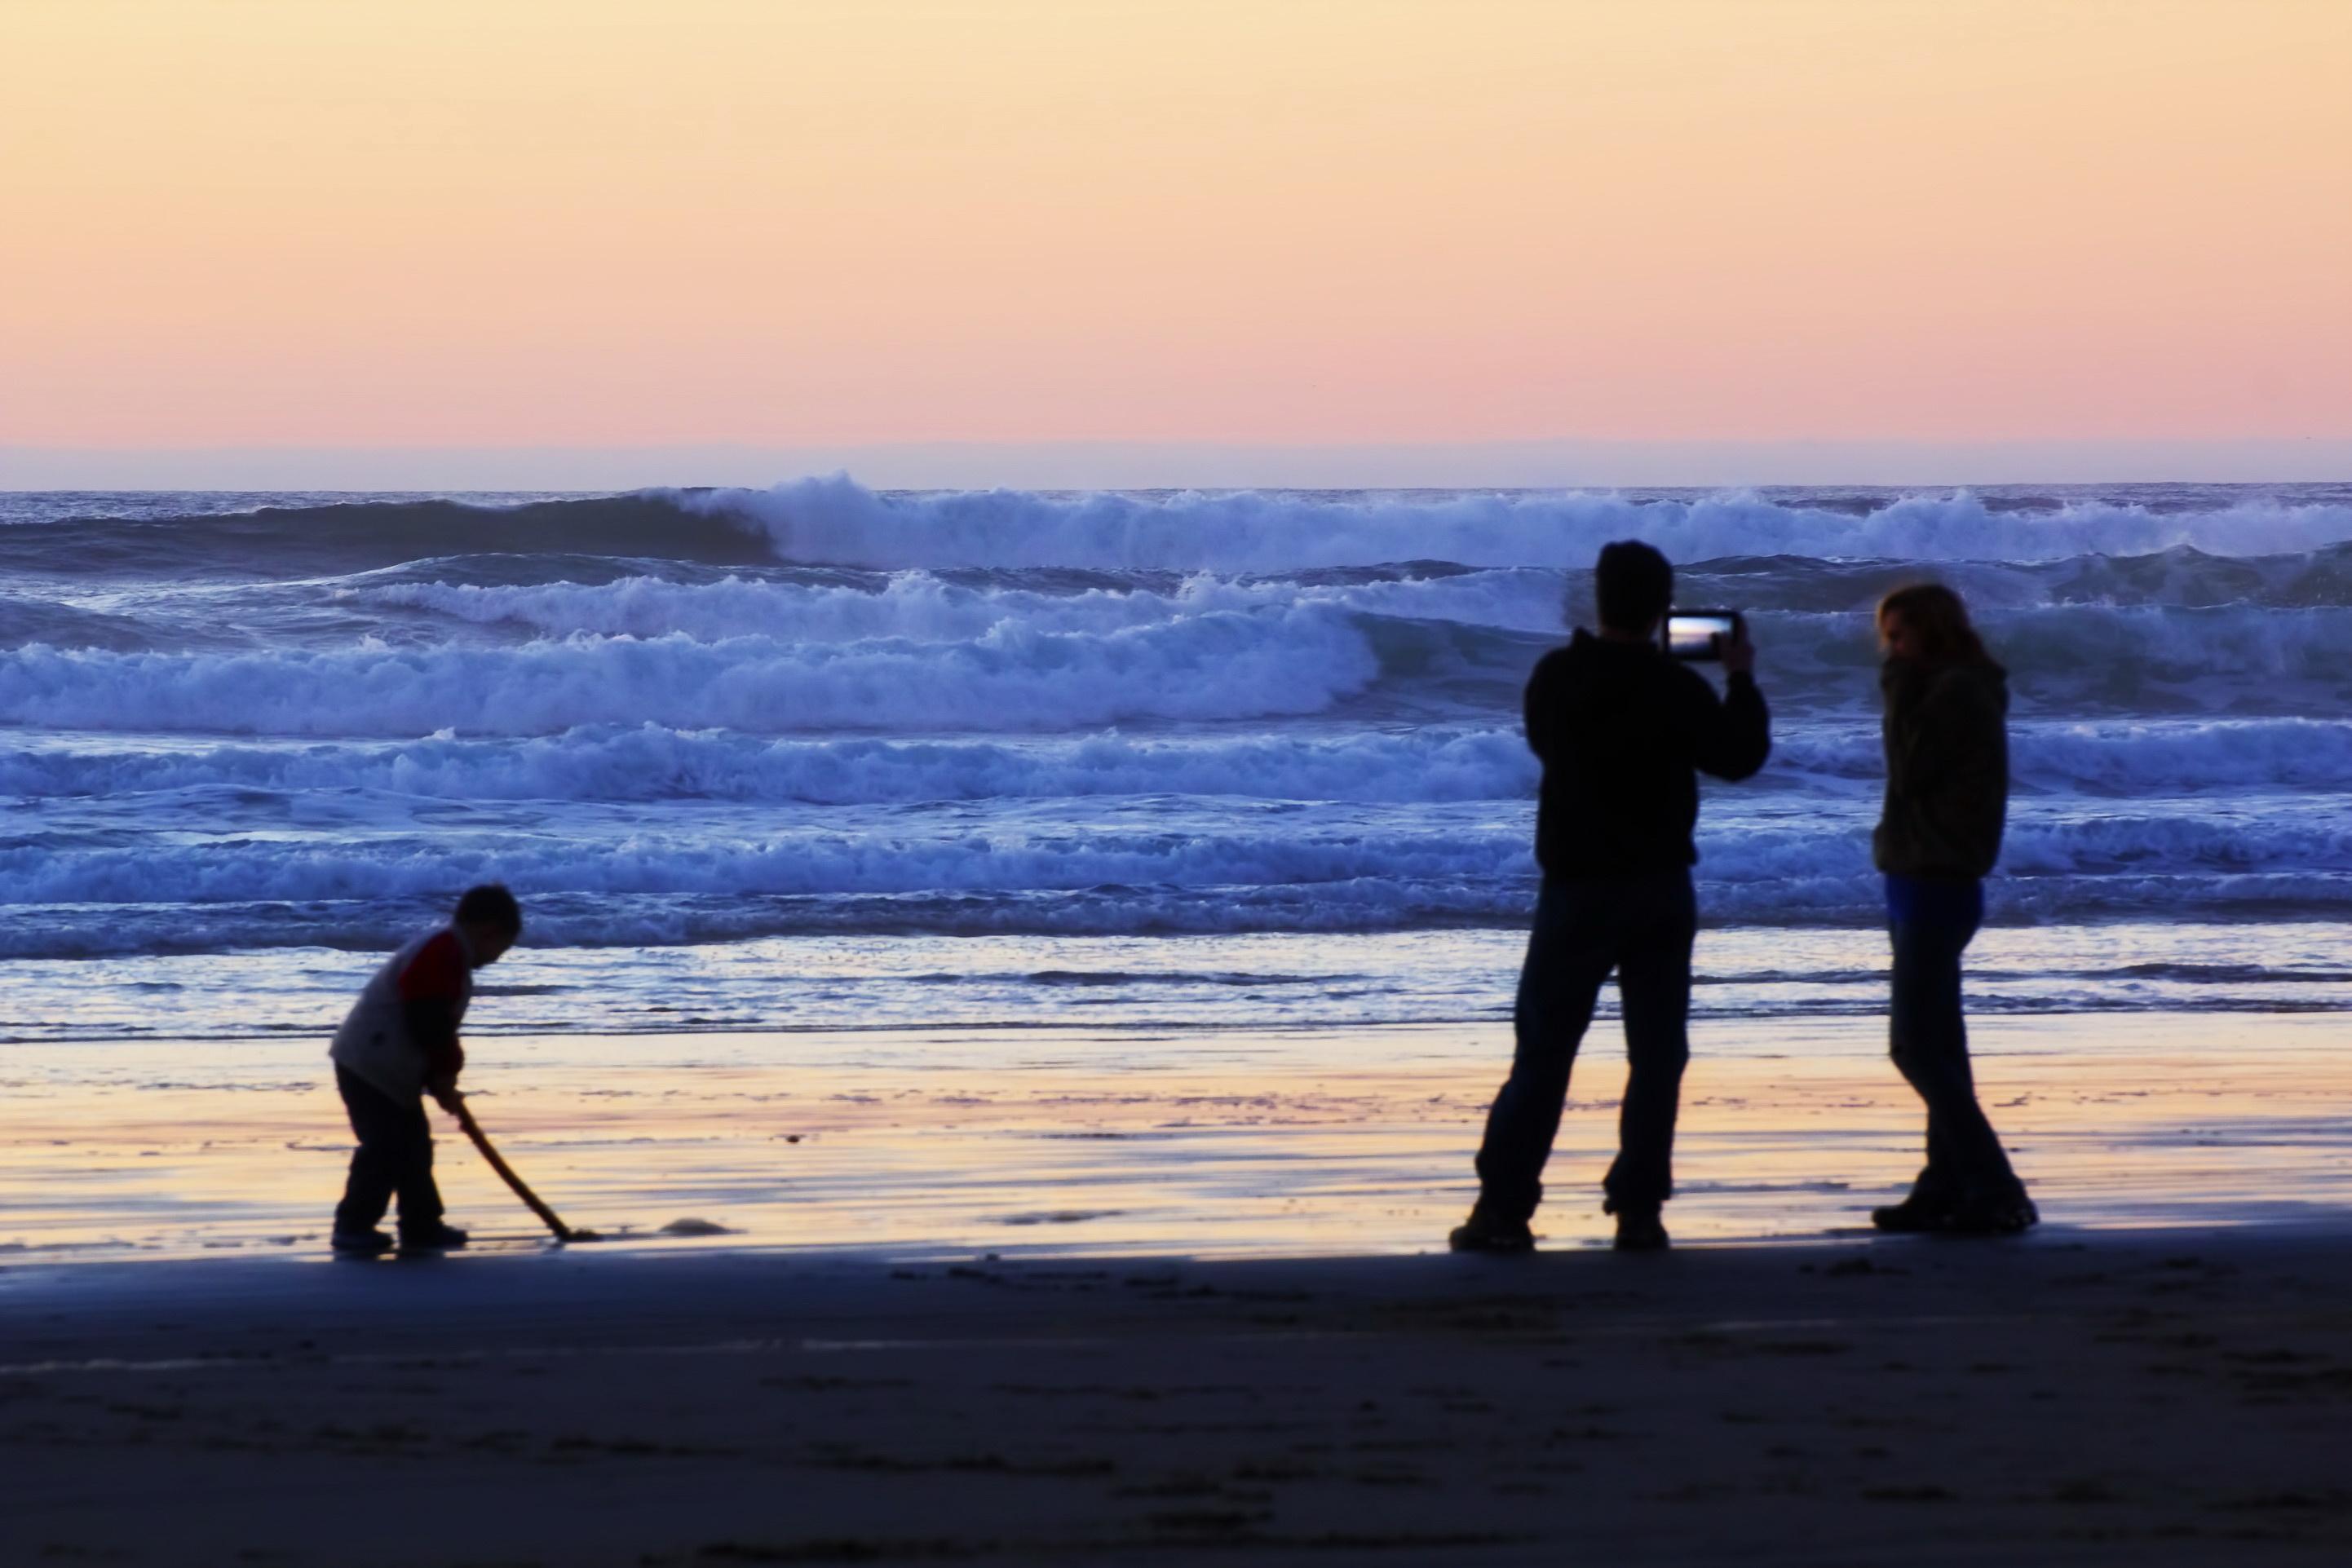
<point x="2073" y="1397"/>
<point x="1213" y="1143"/>
<point x="1062" y="1297"/>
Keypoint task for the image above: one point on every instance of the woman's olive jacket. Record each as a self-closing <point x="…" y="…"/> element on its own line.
<point x="1947" y="767"/>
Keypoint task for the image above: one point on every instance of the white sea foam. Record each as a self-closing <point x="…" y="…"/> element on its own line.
<point x="1433" y="763"/>
<point x="926" y="655"/>
<point x="649" y="762"/>
<point x="1375" y="865"/>
<point x="1097" y="714"/>
<point x="838" y="520"/>
<point x="921" y="607"/>
<point x="810" y="863"/>
<point x="2121" y="760"/>
<point x="1220" y="665"/>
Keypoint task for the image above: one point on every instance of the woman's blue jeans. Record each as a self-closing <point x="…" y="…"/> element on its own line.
<point x="1931" y="921"/>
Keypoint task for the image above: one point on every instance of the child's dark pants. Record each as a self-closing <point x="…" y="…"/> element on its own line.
<point x="394" y="1156"/>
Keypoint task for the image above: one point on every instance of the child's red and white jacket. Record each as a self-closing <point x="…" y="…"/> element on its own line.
<point x="376" y="1039"/>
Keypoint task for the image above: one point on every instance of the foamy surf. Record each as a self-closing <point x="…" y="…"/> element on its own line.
<point x="239" y="729"/>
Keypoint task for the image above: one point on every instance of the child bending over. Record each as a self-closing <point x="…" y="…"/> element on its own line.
<point x="400" y="1044"/>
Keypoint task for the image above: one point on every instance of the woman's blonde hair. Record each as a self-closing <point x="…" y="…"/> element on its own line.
<point x="1938" y="620"/>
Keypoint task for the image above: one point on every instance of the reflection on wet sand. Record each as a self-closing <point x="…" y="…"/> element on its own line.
<point x="1225" y="1144"/>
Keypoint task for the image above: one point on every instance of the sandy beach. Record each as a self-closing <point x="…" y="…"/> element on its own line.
<point x="2151" y="1397"/>
<point x="970" y="666"/>
<point x="1106" y="1298"/>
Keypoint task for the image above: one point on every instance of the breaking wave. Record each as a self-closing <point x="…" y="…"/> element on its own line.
<point x="839" y="521"/>
<point x="695" y="716"/>
<point x="1374" y="872"/>
<point x="1433" y="763"/>
<point x="1222" y="664"/>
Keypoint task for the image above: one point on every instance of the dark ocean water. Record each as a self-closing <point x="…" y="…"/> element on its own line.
<point x="825" y="753"/>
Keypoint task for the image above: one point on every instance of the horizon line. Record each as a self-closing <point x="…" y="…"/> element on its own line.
<point x="1188" y="465"/>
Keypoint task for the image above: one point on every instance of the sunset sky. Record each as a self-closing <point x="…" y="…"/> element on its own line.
<point x="1015" y="226"/>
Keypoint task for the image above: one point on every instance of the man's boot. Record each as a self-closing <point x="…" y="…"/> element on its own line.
<point x="1482" y="1232"/>
<point x="1641" y="1230"/>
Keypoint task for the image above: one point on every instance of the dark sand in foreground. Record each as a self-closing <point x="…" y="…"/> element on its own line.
<point x="2078" y="1397"/>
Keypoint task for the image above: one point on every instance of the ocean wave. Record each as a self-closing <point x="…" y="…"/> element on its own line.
<point x="322" y="537"/>
<point x="64" y="869"/>
<point x="1808" y="597"/>
<point x="2084" y="660"/>
<point x="25" y="621"/>
<point x="650" y="762"/>
<point x="1432" y="763"/>
<point x="840" y="521"/>
<point x="923" y="607"/>
<point x="2122" y="759"/>
<point x="709" y="715"/>
<point x="1801" y="865"/>
<point x="921" y="654"/>
<point x="1220" y="665"/>
<point x="1370" y="905"/>
<point x="2120" y="646"/>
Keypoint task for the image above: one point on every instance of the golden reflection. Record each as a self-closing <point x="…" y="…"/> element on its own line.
<point x="1225" y="1145"/>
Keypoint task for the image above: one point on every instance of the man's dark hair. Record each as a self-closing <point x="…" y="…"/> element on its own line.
<point x="1632" y="586"/>
<point x="490" y="904"/>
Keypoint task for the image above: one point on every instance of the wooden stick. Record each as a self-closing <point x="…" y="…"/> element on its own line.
<point x="474" y="1131"/>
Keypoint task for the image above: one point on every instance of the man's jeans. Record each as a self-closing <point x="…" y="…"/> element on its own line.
<point x="396" y="1154"/>
<point x="1931" y="922"/>
<point x="1642" y="926"/>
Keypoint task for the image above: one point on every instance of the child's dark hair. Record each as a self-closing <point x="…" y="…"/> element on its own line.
<point x="490" y="904"/>
<point x="1631" y="585"/>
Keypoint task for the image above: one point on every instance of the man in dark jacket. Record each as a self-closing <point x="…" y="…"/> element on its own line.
<point x="1619" y="727"/>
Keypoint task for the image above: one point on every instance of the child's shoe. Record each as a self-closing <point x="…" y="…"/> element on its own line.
<point x="434" y="1238"/>
<point x="361" y="1243"/>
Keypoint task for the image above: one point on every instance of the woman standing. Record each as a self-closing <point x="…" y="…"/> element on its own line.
<point x="1946" y="794"/>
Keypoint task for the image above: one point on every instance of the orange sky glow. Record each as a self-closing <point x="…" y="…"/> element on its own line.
<point x="565" y="223"/>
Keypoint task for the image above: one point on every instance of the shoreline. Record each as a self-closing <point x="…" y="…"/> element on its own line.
<point x="1267" y="1142"/>
<point x="1196" y="983"/>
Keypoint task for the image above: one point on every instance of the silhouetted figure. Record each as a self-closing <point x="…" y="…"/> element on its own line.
<point x="1619" y="727"/>
<point x="398" y="1045"/>
<point x="1946" y="794"/>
